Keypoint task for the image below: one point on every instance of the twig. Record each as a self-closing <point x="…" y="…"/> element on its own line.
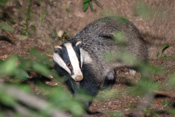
<point x="165" y="94"/>
<point x="22" y="110"/>
<point x="50" y="56"/>
<point x="28" y="16"/>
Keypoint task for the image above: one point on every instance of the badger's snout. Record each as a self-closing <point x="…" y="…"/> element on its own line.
<point x="78" y="78"/>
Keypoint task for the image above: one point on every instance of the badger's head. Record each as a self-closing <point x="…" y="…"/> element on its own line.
<point x="68" y="57"/>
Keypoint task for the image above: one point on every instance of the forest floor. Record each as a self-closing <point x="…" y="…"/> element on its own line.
<point x="68" y="17"/>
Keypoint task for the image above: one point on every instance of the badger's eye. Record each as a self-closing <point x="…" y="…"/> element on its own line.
<point x="69" y="65"/>
<point x="55" y="51"/>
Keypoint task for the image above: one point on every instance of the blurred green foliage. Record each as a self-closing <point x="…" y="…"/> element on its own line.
<point x="171" y="81"/>
<point x="119" y="37"/>
<point x="143" y="10"/>
<point x="16" y="67"/>
<point x="3" y="1"/>
<point x="171" y="111"/>
<point x="64" y="101"/>
<point x="6" y="27"/>
<point x="165" y="102"/>
<point x="108" y="94"/>
<point x="6" y="99"/>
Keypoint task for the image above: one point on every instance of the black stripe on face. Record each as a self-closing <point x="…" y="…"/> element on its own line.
<point x="64" y="55"/>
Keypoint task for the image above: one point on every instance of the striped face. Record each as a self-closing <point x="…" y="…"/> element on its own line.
<point x="68" y="57"/>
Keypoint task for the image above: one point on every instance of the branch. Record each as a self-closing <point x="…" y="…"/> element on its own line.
<point x="165" y="94"/>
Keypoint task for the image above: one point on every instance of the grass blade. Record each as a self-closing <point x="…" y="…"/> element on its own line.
<point x="165" y="47"/>
<point x="98" y="3"/>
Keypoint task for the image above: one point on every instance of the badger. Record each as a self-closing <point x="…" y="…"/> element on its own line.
<point x="82" y="59"/>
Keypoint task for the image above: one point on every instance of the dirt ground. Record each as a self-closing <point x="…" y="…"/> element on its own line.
<point x="67" y="16"/>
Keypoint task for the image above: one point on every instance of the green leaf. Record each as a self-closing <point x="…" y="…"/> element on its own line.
<point x="86" y="1"/>
<point x="85" y="6"/>
<point x="90" y="4"/>
<point x="21" y="74"/>
<point x="6" y="27"/>
<point x="165" y="47"/>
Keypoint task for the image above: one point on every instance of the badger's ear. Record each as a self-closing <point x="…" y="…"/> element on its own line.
<point x="57" y="49"/>
<point x="78" y="43"/>
<point x="107" y="35"/>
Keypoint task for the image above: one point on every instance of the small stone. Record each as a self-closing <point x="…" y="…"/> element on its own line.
<point x="60" y="33"/>
<point x="132" y="72"/>
<point x="80" y="14"/>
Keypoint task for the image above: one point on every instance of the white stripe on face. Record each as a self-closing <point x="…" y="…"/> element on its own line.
<point x="81" y="59"/>
<point x="60" y="62"/>
<point x="74" y="60"/>
<point x="85" y="57"/>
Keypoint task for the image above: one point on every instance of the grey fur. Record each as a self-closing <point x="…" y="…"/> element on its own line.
<point x="96" y="45"/>
<point x="97" y="39"/>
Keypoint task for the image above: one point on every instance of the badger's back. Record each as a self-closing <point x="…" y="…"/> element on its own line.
<point x="97" y="39"/>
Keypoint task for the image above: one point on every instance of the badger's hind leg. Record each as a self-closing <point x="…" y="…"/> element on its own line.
<point x="110" y="79"/>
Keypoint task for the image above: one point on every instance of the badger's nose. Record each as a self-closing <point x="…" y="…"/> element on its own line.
<point x="78" y="78"/>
